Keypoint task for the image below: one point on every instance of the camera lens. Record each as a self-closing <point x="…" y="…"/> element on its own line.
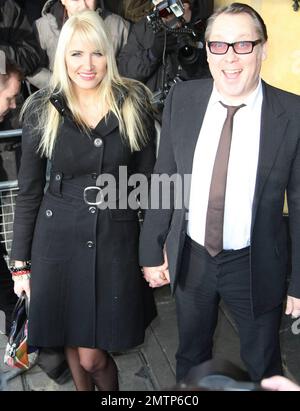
<point x="187" y="54"/>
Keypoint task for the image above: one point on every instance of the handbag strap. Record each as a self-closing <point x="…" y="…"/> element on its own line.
<point x="23" y="299"/>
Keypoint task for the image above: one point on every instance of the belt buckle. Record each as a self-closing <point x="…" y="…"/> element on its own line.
<point x="88" y="189"/>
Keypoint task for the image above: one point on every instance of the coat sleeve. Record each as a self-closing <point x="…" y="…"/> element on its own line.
<point x="17" y="40"/>
<point x="118" y="29"/>
<point x="135" y="60"/>
<point x="157" y="220"/>
<point x="293" y="194"/>
<point x="42" y="76"/>
<point x="31" y="180"/>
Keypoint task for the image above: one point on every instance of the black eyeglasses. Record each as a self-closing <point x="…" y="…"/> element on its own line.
<point x="239" y="47"/>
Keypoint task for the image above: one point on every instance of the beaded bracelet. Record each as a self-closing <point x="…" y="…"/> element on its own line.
<point x="26" y="266"/>
<point x="18" y="273"/>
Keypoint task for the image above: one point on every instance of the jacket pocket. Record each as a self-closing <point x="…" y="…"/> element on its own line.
<point x="54" y="232"/>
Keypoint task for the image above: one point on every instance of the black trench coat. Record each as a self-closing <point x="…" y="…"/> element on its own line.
<point x="87" y="289"/>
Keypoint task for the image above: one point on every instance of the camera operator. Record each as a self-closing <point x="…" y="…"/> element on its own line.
<point x="157" y="58"/>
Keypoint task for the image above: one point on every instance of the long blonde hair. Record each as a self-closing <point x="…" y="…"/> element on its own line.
<point x="135" y="97"/>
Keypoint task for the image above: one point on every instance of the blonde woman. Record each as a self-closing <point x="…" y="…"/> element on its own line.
<point x="54" y="14"/>
<point x="86" y="289"/>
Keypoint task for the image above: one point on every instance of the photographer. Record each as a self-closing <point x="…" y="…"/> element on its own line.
<point x="143" y="57"/>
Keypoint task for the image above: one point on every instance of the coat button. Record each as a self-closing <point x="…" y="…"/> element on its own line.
<point x="92" y="210"/>
<point x="49" y="213"/>
<point x="58" y="177"/>
<point x="98" y="142"/>
<point x="90" y="244"/>
<point x="94" y="176"/>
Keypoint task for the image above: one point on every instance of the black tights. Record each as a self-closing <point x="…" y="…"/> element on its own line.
<point x="92" y="367"/>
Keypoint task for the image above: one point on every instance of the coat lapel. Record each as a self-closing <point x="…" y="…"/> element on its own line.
<point x="273" y="126"/>
<point x="107" y="125"/>
<point x="193" y="123"/>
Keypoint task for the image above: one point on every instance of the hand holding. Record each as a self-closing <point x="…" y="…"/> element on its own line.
<point x="157" y="276"/>
<point x="293" y="307"/>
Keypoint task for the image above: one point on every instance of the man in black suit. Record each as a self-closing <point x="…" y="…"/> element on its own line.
<point x="245" y="261"/>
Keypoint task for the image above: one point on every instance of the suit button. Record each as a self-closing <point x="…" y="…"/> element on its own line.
<point x="98" y="142"/>
<point x="49" y="213"/>
<point x="92" y="210"/>
<point x="94" y="176"/>
<point x="58" y="177"/>
<point x="90" y="244"/>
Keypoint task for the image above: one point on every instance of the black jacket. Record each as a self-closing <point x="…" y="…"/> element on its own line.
<point x="32" y="9"/>
<point x="16" y="37"/>
<point x="137" y="60"/>
<point x="277" y="171"/>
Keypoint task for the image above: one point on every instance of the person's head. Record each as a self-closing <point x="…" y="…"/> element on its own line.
<point x="10" y="84"/>
<point x="84" y="67"/>
<point x="236" y="74"/>
<point x="187" y="4"/>
<point x="84" y="58"/>
<point x="75" y="6"/>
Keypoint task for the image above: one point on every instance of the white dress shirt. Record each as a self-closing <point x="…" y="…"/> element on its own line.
<point x="242" y="169"/>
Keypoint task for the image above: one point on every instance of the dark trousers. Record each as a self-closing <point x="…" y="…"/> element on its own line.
<point x="203" y="280"/>
<point x="8" y="298"/>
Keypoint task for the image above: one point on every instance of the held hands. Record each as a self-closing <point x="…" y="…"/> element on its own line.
<point x="157" y="276"/>
<point x="293" y="307"/>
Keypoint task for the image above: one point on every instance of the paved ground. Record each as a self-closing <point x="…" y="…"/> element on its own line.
<point x="151" y="367"/>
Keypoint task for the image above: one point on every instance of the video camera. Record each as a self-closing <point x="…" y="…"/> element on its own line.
<point x="168" y="16"/>
<point x="189" y="37"/>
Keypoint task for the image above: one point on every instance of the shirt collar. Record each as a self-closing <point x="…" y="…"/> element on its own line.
<point x="249" y="101"/>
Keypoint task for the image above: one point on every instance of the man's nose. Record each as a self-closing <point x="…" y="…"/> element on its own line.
<point x="231" y="56"/>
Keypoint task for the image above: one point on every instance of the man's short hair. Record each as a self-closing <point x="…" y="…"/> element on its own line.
<point x="10" y="69"/>
<point x="239" y="8"/>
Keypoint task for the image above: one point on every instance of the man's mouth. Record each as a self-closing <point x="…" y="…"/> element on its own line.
<point x="232" y="74"/>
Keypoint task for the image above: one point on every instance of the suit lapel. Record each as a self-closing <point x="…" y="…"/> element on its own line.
<point x="193" y="123"/>
<point x="273" y="125"/>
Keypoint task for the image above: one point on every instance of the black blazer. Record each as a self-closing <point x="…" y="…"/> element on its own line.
<point x="278" y="170"/>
